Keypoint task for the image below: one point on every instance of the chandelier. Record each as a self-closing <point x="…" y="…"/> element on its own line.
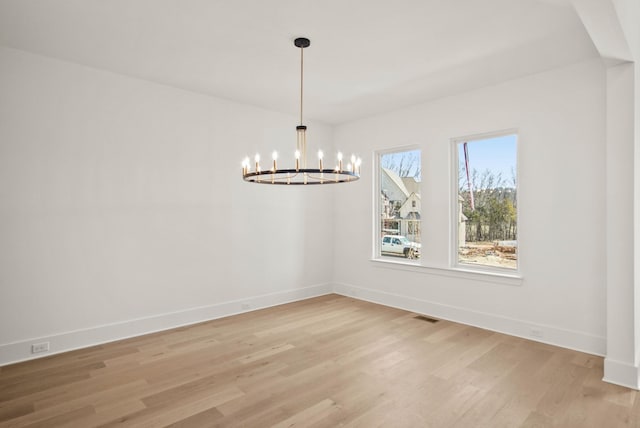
<point x="301" y="173"/>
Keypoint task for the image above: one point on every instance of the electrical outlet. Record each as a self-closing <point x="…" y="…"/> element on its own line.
<point x="536" y="332"/>
<point x="245" y="306"/>
<point x="37" y="348"/>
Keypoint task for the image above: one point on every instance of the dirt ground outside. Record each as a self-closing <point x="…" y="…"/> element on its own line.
<point x="488" y="254"/>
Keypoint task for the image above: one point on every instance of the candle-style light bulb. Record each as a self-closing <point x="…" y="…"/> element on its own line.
<point x="339" y="161"/>
<point x="297" y="155"/>
<point x="274" y="156"/>
<point x="358" y="163"/>
<point x="245" y="166"/>
<point x="320" y="156"/>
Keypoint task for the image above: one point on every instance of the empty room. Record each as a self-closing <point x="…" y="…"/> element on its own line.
<point x="296" y="213"/>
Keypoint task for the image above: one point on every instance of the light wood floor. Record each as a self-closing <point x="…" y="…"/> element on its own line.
<point x="324" y="362"/>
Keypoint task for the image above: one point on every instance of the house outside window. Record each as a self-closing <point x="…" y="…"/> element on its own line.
<point x="398" y="229"/>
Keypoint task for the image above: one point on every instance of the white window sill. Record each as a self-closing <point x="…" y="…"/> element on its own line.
<point x="453" y="272"/>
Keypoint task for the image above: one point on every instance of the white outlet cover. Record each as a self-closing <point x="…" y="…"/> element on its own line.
<point x="36" y="348"/>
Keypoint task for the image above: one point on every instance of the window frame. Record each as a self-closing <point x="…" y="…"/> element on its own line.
<point x="377" y="206"/>
<point x="453" y="217"/>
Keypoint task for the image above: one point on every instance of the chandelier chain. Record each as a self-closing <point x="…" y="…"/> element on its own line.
<point x="301" y="80"/>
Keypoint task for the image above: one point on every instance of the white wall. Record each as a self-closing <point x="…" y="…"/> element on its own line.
<point x="628" y="13"/>
<point x="560" y="118"/>
<point x="620" y="366"/>
<point x="122" y="209"/>
<point x="118" y="215"/>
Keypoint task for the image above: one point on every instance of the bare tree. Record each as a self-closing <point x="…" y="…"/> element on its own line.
<point x="405" y="164"/>
<point x="494" y="216"/>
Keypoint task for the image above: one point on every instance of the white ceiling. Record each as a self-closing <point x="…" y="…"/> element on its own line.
<point x="366" y="56"/>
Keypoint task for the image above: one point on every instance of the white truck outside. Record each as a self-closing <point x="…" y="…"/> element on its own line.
<point x="400" y="246"/>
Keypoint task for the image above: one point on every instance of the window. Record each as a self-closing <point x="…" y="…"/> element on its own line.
<point x="486" y="205"/>
<point x="398" y="229"/>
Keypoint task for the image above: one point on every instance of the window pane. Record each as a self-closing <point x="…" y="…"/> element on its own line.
<point x="399" y="208"/>
<point x="487" y="202"/>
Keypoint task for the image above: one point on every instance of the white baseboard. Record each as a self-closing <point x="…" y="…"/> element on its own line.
<point x="622" y="374"/>
<point x="21" y="351"/>
<point x="67" y="341"/>
<point x="575" y="340"/>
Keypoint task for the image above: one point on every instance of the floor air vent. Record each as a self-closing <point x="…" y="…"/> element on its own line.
<point x="427" y="319"/>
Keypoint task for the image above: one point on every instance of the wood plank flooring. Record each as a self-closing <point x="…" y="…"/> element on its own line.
<point x="323" y="362"/>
